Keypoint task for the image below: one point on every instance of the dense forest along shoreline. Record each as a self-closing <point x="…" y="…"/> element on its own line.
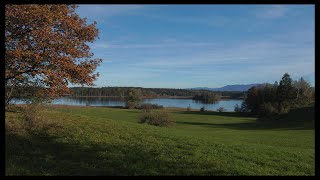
<point x="156" y="97"/>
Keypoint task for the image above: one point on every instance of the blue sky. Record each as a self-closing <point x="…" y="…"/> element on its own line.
<point x="184" y="46"/>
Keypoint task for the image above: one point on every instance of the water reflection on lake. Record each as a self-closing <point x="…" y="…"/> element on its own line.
<point x="181" y="103"/>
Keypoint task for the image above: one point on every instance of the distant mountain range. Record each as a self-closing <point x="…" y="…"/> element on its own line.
<point x="236" y="87"/>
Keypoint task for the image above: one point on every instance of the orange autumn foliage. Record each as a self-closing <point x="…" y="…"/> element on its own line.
<point x="49" y="43"/>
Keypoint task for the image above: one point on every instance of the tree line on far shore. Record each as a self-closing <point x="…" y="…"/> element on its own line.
<point x="152" y="92"/>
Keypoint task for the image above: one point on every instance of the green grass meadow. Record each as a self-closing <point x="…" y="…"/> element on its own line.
<point x="110" y="141"/>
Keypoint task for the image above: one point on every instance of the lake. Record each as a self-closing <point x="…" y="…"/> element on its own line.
<point x="166" y="102"/>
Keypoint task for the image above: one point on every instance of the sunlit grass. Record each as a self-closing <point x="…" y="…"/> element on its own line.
<point x="109" y="141"/>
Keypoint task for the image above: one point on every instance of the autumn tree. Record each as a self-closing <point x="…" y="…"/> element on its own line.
<point x="46" y="46"/>
<point x="303" y="92"/>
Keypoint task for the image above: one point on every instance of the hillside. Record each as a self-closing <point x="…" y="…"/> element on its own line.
<point x="236" y="87"/>
<point x="109" y="141"/>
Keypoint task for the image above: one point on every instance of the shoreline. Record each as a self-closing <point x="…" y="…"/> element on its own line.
<point x="120" y="107"/>
<point x="117" y="107"/>
<point x="159" y="97"/>
<point x="144" y="97"/>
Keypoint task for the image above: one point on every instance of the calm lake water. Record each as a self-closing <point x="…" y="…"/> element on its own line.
<point x="181" y="103"/>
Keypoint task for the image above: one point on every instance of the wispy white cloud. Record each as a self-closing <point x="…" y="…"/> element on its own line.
<point x="272" y="11"/>
<point x="216" y="21"/>
<point x="262" y="53"/>
<point x="106" y="60"/>
<point x="129" y="76"/>
<point x="167" y="44"/>
<point x="139" y="60"/>
<point x="102" y="13"/>
<point x="106" y="10"/>
<point x="271" y="56"/>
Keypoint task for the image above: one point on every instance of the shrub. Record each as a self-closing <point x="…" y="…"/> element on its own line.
<point x="221" y="109"/>
<point x="31" y="114"/>
<point x="157" y="118"/>
<point x="284" y="109"/>
<point x="155" y="106"/>
<point x="202" y="109"/>
<point x="131" y="105"/>
<point x="237" y="108"/>
<point x="268" y="110"/>
<point x="12" y="108"/>
<point x="242" y="108"/>
<point x="147" y="107"/>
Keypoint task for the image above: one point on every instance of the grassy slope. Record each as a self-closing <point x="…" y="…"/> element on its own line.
<point x="108" y="141"/>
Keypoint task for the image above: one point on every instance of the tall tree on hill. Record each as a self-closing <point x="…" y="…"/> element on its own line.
<point x="252" y="99"/>
<point x="285" y="91"/>
<point x="46" y="46"/>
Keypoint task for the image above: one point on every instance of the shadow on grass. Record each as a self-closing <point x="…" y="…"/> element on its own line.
<point x="41" y="154"/>
<point x="227" y="114"/>
<point x="256" y="125"/>
<point x="296" y="119"/>
<point x="113" y="107"/>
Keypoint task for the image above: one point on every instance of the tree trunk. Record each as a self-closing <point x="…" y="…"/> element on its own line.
<point x="8" y="96"/>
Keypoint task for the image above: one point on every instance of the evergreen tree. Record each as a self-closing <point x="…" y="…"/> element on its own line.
<point x="285" y="92"/>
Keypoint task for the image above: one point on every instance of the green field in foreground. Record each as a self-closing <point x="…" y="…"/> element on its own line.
<point x="110" y="141"/>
